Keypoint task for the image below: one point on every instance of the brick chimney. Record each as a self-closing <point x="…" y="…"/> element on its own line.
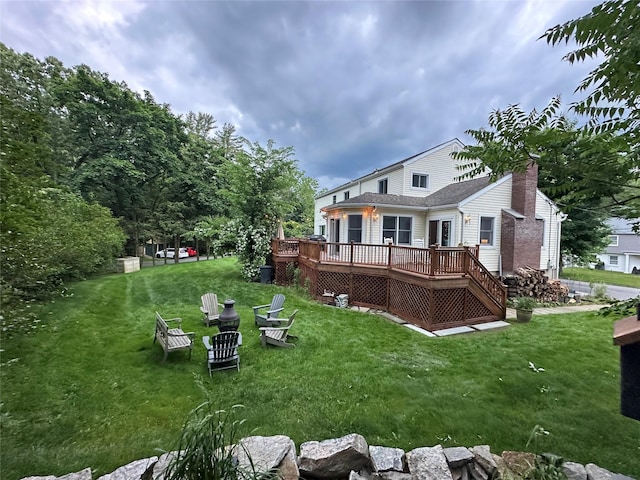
<point x="523" y="191"/>
<point x="521" y="233"/>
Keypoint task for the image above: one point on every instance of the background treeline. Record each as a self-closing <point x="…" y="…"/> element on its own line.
<point x="91" y="170"/>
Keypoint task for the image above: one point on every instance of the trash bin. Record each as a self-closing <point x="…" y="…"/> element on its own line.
<point x="266" y="273"/>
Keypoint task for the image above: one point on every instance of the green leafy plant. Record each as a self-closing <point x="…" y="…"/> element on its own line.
<point x="208" y="443"/>
<point x="599" y="291"/>
<point x="623" y="308"/>
<point x="524" y="303"/>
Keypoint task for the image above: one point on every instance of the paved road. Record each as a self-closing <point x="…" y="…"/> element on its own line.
<point x="614" y="291"/>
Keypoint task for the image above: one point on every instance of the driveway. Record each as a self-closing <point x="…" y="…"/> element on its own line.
<point x="614" y="291"/>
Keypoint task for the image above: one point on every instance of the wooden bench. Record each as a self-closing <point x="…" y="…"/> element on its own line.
<point x="172" y="339"/>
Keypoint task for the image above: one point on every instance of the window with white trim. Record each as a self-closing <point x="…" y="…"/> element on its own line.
<point x="383" y="185"/>
<point x="613" y="260"/>
<point x="322" y="229"/>
<point x="398" y="228"/>
<point x="335" y="199"/>
<point x="613" y="240"/>
<point x="487" y="231"/>
<point x="355" y="229"/>
<point x="346" y="195"/>
<point x="420" y="180"/>
<point x="543" y="222"/>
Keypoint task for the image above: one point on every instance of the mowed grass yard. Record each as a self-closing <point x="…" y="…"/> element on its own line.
<point x="88" y="388"/>
<point x="593" y="276"/>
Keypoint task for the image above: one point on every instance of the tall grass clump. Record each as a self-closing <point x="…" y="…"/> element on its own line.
<point x="208" y="443"/>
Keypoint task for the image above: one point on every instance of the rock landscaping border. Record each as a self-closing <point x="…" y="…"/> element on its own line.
<point x="351" y="458"/>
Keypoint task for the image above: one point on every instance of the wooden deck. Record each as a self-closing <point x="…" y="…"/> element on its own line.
<point x="433" y="287"/>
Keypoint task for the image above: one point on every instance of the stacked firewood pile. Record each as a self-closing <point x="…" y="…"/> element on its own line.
<point x="529" y="282"/>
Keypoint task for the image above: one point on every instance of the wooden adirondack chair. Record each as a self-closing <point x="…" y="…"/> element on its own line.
<point x="278" y="336"/>
<point x="222" y="351"/>
<point x="269" y="318"/>
<point x="210" y="309"/>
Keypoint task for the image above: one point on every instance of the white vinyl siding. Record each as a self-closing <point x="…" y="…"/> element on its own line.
<point x="438" y="164"/>
<point x="489" y="204"/>
<point x="550" y="252"/>
<point x="394" y="183"/>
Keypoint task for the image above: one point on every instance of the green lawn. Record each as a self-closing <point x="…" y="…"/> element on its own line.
<point x="601" y="276"/>
<point x="88" y="388"/>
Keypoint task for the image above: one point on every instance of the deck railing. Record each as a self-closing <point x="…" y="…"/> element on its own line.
<point x="433" y="261"/>
<point x="426" y="261"/>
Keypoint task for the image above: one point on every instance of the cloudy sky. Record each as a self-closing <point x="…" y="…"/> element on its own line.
<point x="351" y="85"/>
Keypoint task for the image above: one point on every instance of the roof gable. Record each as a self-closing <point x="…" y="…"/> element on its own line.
<point x="394" y="166"/>
<point x="453" y="194"/>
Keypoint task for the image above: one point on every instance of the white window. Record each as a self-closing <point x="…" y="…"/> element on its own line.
<point x="322" y="229"/>
<point x="613" y="240"/>
<point x="542" y="221"/>
<point x="613" y="260"/>
<point x="420" y="180"/>
<point x="383" y="185"/>
<point x="355" y="229"/>
<point x="397" y="228"/>
<point x="487" y="232"/>
<point x="346" y="195"/>
<point x="335" y="198"/>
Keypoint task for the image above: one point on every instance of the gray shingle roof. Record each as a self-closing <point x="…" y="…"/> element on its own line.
<point x="450" y="195"/>
<point x="454" y="193"/>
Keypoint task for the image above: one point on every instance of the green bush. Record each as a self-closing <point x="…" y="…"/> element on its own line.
<point x="524" y="303"/>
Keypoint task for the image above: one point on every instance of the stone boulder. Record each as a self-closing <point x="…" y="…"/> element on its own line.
<point x="81" y="475"/>
<point x="133" y="470"/>
<point x="334" y="458"/>
<point x="429" y="462"/>
<point x="275" y="454"/>
<point x="386" y="459"/>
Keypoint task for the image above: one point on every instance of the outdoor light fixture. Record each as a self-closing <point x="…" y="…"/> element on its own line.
<point x="375" y="216"/>
<point x="467" y="219"/>
<point x="344" y="216"/>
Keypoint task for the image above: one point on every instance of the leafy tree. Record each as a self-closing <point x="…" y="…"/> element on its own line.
<point x="571" y="164"/>
<point x="261" y="186"/>
<point x="605" y="163"/>
<point x="49" y="235"/>
<point x="611" y="31"/>
<point x="124" y="148"/>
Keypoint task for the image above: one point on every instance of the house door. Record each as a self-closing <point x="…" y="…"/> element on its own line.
<point x="433" y="232"/>
<point x="335" y="233"/>
<point x="440" y="232"/>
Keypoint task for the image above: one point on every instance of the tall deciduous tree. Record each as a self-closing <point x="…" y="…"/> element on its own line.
<point x="260" y="192"/>
<point x="606" y="161"/>
<point x="611" y="31"/>
<point x="572" y="166"/>
<point x="124" y="147"/>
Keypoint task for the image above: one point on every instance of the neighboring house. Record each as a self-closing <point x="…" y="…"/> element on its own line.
<point x="623" y="252"/>
<point x="417" y="202"/>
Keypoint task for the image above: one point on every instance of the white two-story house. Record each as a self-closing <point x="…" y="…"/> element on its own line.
<point x="623" y="252"/>
<point x="417" y="202"/>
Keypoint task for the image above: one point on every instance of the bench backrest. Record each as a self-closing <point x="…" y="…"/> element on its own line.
<point x="224" y="346"/>
<point x="161" y="326"/>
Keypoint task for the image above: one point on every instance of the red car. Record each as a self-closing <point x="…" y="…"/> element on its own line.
<point x="192" y="252"/>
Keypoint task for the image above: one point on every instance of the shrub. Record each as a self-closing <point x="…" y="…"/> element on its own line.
<point x="524" y="303"/>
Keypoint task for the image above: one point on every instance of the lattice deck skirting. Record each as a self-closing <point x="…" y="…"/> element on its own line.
<point x="432" y="303"/>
